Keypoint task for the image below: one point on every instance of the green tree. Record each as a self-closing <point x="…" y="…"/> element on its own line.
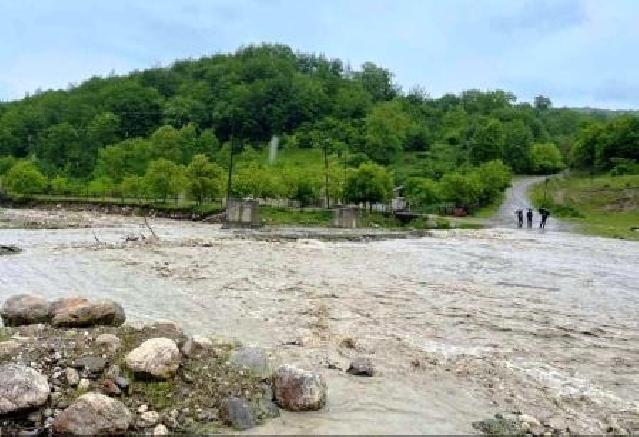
<point x="464" y="190"/>
<point x="163" y="178"/>
<point x="422" y="191"/>
<point x="132" y="186"/>
<point x="487" y="142"/>
<point x="24" y="178"/>
<point x="203" y="178"/>
<point x="386" y="129"/>
<point x="546" y="158"/>
<point x="369" y="183"/>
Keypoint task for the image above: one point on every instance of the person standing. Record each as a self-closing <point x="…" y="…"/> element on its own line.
<point x="544" y="217"/>
<point x="520" y="217"/>
<point x="529" y="218"/>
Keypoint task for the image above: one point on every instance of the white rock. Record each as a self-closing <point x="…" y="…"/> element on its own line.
<point x="149" y="418"/>
<point x="109" y="341"/>
<point x="160" y="430"/>
<point x="158" y="357"/>
<point x="84" y="384"/>
<point x="21" y="388"/>
<point x="72" y="376"/>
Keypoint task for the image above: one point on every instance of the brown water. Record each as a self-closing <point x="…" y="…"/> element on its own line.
<point x="460" y="325"/>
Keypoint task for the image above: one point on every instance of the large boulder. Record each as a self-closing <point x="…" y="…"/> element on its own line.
<point x="24" y="309"/>
<point x="158" y="357"/>
<point x="80" y="312"/>
<point x="93" y="414"/>
<point x="21" y="388"/>
<point x="253" y="359"/>
<point x="299" y="390"/>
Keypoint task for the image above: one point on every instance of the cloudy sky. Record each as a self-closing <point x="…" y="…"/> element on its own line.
<point x="578" y="52"/>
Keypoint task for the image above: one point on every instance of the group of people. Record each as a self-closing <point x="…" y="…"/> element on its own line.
<point x="529" y="217"/>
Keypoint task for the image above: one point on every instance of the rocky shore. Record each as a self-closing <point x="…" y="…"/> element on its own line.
<point x="73" y="367"/>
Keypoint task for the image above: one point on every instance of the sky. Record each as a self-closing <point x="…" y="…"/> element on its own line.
<point x="577" y="52"/>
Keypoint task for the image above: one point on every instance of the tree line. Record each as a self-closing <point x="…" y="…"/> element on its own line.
<point x="164" y="131"/>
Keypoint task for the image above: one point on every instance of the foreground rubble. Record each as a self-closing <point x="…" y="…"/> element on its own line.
<point x="101" y="376"/>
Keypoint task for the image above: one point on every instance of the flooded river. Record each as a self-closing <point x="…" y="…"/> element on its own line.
<point x="460" y="325"/>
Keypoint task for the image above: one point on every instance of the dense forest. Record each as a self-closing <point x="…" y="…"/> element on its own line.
<point x="165" y="132"/>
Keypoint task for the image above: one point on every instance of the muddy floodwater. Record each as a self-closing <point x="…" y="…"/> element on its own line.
<point x="460" y="325"/>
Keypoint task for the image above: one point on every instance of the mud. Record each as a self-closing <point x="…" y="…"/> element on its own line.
<point x="459" y="325"/>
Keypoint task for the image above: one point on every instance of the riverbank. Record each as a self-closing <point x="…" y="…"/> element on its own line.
<point x="601" y="205"/>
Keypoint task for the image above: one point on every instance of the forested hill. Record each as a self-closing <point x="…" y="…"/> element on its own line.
<point x="109" y="128"/>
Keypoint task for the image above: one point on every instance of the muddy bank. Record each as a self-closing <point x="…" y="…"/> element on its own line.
<point x="133" y="209"/>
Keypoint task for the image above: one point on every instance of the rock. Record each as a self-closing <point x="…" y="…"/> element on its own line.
<point x="112" y="372"/>
<point x="265" y="407"/>
<point x="80" y="312"/>
<point x="361" y="367"/>
<point x="158" y="357"/>
<point x="196" y="344"/>
<point x="236" y="412"/>
<point x="497" y="426"/>
<point x="110" y="388"/>
<point x="91" y="364"/>
<point x="84" y="384"/>
<point x="530" y="420"/>
<point x="21" y="388"/>
<point x="254" y="359"/>
<point x="73" y="378"/>
<point x="109" y="342"/>
<point x="24" y="309"/>
<point x="148" y="419"/>
<point x="122" y="382"/>
<point x="160" y="430"/>
<point x="9" y="348"/>
<point x="93" y="414"/>
<point x="299" y="390"/>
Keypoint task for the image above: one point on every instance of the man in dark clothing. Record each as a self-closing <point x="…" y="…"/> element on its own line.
<point x="544" y="217"/>
<point x="529" y="217"/>
<point x="520" y="217"/>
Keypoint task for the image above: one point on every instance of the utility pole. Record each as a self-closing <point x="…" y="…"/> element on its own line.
<point x="230" y="178"/>
<point x="326" y="140"/>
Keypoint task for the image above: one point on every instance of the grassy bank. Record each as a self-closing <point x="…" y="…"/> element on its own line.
<point x="600" y="205"/>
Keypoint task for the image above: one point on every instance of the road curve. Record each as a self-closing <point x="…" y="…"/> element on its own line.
<point x="516" y="197"/>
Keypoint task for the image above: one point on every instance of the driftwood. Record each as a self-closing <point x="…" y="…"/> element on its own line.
<point x="146" y="222"/>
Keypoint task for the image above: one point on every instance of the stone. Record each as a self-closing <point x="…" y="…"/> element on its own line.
<point x="21" y="388"/>
<point x="148" y="419"/>
<point x="110" y="388"/>
<point x="9" y="348"/>
<point x="253" y="359"/>
<point x="158" y="357"/>
<point x="73" y="378"/>
<point x="80" y="312"/>
<point x="93" y="414"/>
<point x="84" y="384"/>
<point x="91" y="364"/>
<point x="122" y="382"/>
<point x="299" y="390"/>
<point x="24" y="309"/>
<point x="530" y="420"/>
<point x="195" y="345"/>
<point x="361" y="367"/>
<point x="112" y="372"/>
<point x="160" y="430"/>
<point x="109" y="342"/>
<point x="237" y="412"/>
<point x="143" y="408"/>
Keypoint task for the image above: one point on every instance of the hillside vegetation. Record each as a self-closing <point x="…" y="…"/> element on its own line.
<point x="165" y="133"/>
<point x="599" y="205"/>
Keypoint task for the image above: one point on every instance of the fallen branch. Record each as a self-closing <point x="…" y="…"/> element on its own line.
<point x="146" y="222"/>
<point x="97" y="240"/>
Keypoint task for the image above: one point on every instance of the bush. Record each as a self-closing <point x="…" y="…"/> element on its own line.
<point x="369" y="183"/>
<point x="624" y="167"/>
<point x="546" y="158"/>
<point x="25" y="178"/>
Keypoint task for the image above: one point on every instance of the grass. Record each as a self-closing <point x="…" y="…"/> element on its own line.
<point x="287" y="216"/>
<point x="599" y="205"/>
<point x="4" y="334"/>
